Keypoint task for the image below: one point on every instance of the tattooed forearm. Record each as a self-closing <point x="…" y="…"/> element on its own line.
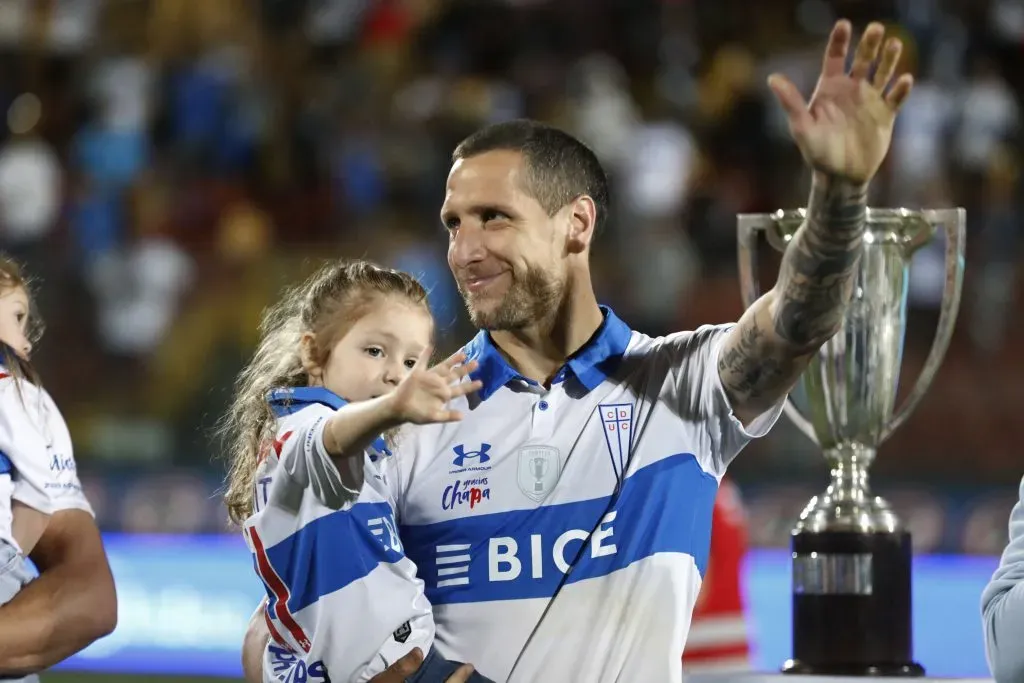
<point x="820" y="265"/>
<point x="752" y="362"/>
<point x="763" y="356"/>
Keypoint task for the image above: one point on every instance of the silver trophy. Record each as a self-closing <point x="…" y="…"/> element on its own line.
<point x="851" y="556"/>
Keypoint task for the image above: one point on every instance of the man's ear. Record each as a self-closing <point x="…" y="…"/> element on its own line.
<point x="582" y="223"/>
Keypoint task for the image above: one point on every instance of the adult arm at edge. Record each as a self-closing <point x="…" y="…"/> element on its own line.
<point x="257" y="635"/>
<point x="1002" y="606"/>
<point x="72" y="604"/>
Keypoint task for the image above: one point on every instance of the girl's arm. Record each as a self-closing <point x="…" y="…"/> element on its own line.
<point x="354" y="427"/>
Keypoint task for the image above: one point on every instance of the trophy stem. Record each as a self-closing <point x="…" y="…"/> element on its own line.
<point x="848" y="504"/>
<point x="849" y="473"/>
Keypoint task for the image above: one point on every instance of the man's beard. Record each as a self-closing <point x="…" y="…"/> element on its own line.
<point x="529" y="299"/>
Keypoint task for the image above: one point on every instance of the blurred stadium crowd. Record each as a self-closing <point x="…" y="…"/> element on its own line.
<point x="166" y="165"/>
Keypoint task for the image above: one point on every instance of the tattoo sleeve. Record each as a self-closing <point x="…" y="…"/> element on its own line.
<point x="820" y="265"/>
<point x="765" y="353"/>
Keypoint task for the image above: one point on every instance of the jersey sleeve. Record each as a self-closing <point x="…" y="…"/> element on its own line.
<point x="687" y="365"/>
<point x="300" y="451"/>
<point x="1002" y="605"/>
<point x="63" y="488"/>
<point x="67" y="492"/>
<point x="24" y="443"/>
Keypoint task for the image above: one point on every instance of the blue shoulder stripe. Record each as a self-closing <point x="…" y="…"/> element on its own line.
<point x="293" y="399"/>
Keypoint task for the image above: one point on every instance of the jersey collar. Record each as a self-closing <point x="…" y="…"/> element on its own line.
<point x="590" y="365"/>
<point x="289" y="400"/>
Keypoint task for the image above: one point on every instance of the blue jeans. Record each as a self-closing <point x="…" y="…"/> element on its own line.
<point x="436" y="669"/>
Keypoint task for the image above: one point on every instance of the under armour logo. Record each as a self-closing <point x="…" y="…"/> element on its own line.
<point x="461" y="454"/>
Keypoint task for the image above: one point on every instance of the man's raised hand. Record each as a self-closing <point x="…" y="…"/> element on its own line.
<point x="845" y="129"/>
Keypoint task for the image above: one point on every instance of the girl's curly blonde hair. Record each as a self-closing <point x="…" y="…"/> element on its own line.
<point x="329" y="301"/>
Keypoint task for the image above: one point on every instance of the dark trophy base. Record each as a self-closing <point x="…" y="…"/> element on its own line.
<point x="793" y="666"/>
<point x="852" y="605"/>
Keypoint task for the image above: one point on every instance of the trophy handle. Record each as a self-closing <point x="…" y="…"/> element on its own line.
<point x="954" y="221"/>
<point x="748" y="226"/>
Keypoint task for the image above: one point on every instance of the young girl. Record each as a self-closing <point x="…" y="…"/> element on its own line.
<point x="33" y="437"/>
<point x="342" y="360"/>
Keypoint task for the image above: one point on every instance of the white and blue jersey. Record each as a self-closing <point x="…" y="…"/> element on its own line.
<point x="562" y="533"/>
<point x="344" y="600"/>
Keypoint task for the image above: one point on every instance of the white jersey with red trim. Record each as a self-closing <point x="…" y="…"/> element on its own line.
<point x="37" y="464"/>
<point x="343" y="599"/>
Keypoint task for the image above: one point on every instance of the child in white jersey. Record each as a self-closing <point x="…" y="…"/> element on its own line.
<point x="27" y="480"/>
<point x="342" y="360"/>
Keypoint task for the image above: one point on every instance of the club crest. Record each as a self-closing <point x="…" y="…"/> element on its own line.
<point x="617" y="422"/>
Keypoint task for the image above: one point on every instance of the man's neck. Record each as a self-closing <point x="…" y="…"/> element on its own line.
<point x="539" y="351"/>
